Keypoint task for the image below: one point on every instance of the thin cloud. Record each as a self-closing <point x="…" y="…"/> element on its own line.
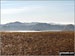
<point x="20" y="10"/>
<point x="13" y="10"/>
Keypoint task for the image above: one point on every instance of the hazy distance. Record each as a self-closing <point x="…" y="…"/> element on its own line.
<point x="60" y="12"/>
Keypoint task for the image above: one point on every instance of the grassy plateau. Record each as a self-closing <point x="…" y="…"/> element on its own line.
<point x="36" y="43"/>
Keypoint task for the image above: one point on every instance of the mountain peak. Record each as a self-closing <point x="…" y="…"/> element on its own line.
<point x="17" y="22"/>
<point x="13" y="23"/>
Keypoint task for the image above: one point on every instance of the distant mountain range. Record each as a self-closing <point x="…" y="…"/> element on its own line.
<point x="35" y="26"/>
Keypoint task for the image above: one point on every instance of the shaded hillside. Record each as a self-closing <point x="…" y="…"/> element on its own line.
<point x="69" y="27"/>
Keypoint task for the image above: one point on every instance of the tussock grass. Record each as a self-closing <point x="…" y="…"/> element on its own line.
<point x="36" y="43"/>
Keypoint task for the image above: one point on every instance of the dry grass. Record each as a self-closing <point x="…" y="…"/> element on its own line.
<point x="36" y="43"/>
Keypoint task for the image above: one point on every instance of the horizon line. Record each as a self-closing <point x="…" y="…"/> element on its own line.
<point x="40" y="22"/>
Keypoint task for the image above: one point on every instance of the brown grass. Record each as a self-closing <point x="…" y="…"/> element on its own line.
<point x="36" y="43"/>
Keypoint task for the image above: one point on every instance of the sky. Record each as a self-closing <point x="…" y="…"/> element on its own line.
<point x="61" y="12"/>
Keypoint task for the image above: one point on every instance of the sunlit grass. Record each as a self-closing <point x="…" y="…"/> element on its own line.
<point x="37" y="43"/>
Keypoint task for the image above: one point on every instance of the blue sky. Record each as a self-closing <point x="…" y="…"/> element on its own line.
<point x="61" y="12"/>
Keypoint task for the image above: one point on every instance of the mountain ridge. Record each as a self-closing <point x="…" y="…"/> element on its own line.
<point x="35" y="26"/>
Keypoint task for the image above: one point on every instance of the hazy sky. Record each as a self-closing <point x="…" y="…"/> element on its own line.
<point x="37" y="11"/>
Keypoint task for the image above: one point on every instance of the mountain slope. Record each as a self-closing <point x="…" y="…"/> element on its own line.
<point x="35" y="26"/>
